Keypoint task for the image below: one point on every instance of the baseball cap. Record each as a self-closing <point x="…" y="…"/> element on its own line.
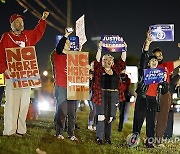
<point x="14" y="17"/>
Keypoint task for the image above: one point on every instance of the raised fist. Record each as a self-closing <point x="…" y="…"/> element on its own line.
<point x="45" y="15"/>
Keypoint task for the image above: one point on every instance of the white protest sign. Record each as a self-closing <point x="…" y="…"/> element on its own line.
<point x="80" y="30"/>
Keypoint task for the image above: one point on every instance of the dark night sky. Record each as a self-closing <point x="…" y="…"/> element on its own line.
<point x="127" y="18"/>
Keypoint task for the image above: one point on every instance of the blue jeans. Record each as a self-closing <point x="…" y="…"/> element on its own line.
<point x="91" y="113"/>
<point x="64" y="108"/>
<point x="104" y="113"/>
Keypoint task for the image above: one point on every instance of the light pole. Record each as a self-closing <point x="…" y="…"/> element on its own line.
<point x="69" y="13"/>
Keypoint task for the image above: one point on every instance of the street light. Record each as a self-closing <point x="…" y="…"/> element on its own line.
<point x="45" y="73"/>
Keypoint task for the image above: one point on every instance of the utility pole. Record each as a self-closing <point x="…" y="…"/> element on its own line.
<point x="69" y="13"/>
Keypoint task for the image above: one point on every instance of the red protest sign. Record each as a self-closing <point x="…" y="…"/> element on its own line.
<point x="77" y="76"/>
<point x="22" y="63"/>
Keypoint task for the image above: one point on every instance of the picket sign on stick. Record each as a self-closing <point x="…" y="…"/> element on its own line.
<point x="80" y="31"/>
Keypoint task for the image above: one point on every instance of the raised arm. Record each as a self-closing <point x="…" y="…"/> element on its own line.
<point x="147" y="42"/>
<point x="145" y="53"/>
<point x="98" y="54"/>
<point x="176" y="63"/>
<point x="36" y="34"/>
<point x="123" y="55"/>
<point x="61" y="44"/>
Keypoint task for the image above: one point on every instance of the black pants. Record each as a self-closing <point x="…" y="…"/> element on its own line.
<point x="139" y="114"/>
<point x="104" y="113"/>
<point x="121" y="115"/>
<point x="150" y="116"/>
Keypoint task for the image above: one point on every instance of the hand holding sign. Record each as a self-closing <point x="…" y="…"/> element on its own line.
<point x="178" y="45"/>
<point x="163" y="32"/>
<point x="148" y="37"/>
<point x="68" y="32"/>
<point x="7" y="73"/>
<point x="154" y="75"/>
<point x="113" y="43"/>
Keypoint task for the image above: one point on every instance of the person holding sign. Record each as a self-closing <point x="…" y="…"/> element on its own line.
<point x="146" y="103"/>
<point x="165" y="102"/>
<point x="107" y="92"/>
<point x="64" y="107"/>
<point x="126" y="81"/>
<point x="17" y="100"/>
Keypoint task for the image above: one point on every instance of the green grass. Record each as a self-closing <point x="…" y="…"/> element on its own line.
<point x="41" y="135"/>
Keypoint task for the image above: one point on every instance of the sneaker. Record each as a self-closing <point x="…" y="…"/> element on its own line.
<point x="108" y="141"/>
<point x="149" y="145"/>
<point x="76" y="126"/>
<point x="60" y="137"/>
<point x="74" y="138"/>
<point x="99" y="141"/>
<point x="95" y="128"/>
<point x="19" y="135"/>
<point x="119" y="130"/>
<point x="40" y="151"/>
<point x="90" y="128"/>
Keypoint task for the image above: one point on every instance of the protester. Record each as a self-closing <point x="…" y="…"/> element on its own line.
<point x="125" y="86"/>
<point x="165" y="102"/>
<point x="17" y="100"/>
<point x="91" y="117"/>
<point x="64" y="107"/>
<point x="107" y="92"/>
<point x="147" y="96"/>
<point x="173" y="86"/>
<point x="140" y="106"/>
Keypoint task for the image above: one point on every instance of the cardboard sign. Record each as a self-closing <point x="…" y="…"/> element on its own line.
<point x="162" y="32"/>
<point x="113" y="43"/>
<point x="80" y="30"/>
<point x="74" y="42"/>
<point x="77" y="76"/>
<point x="2" y="81"/>
<point x="22" y="63"/>
<point x="153" y="75"/>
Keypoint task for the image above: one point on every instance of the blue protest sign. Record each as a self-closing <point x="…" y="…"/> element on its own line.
<point x="163" y="32"/>
<point x="155" y="75"/>
<point x="113" y="43"/>
<point x="74" y="40"/>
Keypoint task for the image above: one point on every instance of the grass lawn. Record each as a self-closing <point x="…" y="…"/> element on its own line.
<point x="41" y="135"/>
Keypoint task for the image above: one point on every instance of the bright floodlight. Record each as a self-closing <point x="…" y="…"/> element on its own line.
<point x="45" y="73"/>
<point x="44" y="105"/>
<point x="174" y="96"/>
<point x="132" y="99"/>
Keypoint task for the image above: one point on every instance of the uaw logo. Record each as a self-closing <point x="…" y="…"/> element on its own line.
<point x="160" y="33"/>
<point x="133" y="140"/>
